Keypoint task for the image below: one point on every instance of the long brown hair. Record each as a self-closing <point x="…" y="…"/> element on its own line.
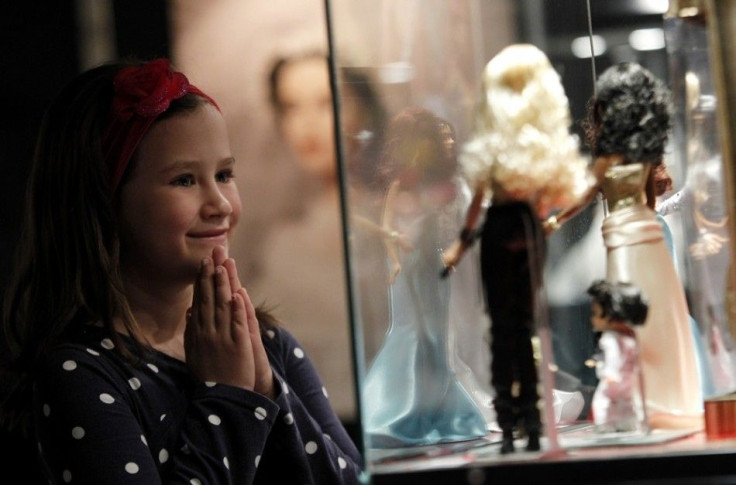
<point x="67" y="267"/>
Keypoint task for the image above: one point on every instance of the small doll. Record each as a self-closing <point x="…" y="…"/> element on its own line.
<point x="618" y="402"/>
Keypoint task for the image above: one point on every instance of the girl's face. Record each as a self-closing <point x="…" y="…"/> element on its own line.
<point x="180" y="200"/>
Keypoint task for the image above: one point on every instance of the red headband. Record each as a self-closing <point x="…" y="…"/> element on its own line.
<point x="142" y="93"/>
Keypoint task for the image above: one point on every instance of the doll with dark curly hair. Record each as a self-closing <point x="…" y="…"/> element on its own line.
<point x="627" y="129"/>
<point x="618" y="402"/>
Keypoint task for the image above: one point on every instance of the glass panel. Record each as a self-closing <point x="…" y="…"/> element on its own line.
<point x="700" y="205"/>
<point x="408" y="76"/>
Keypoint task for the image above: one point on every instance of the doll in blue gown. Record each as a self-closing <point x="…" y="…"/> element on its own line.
<point x="412" y="394"/>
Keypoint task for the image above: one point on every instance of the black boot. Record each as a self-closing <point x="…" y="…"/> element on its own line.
<point x="507" y="444"/>
<point x="532" y="443"/>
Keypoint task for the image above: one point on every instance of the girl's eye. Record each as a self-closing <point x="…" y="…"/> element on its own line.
<point x="225" y="175"/>
<point x="186" y="180"/>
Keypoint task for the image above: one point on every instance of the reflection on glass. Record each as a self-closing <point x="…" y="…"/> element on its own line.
<point x="412" y="392"/>
<point x="702" y="199"/>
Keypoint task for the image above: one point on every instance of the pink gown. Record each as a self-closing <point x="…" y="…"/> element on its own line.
<point x="637" y="253"/>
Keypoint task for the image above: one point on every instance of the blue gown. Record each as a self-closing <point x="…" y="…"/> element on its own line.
<point x="411" y="393"/>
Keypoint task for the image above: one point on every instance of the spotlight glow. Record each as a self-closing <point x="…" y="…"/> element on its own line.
<point x="580" y="46"/>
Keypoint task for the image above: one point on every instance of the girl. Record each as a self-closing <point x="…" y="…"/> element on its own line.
<point x="137" y="355"/>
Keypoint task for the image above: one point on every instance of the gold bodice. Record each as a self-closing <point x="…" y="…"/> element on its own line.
<point x="624" y="185"/>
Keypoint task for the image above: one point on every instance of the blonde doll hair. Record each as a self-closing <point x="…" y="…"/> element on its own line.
<point x="522" y="148"/>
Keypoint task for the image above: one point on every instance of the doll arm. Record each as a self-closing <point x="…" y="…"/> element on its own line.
<point x="600" y="167"/>
<point x="102" y="422"/>
<point x="371" y="227"/>
<point x="452" y="255"/>
<point x="387" y="224"/>
<point x="311" y="440"/>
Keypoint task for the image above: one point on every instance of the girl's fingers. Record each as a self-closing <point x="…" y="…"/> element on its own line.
<point x="223" y="299"/>
<point x="239" y="318"/>
<point x="232" y="273"/>
<point x="205" y="295"/>
<point x="219" y="255"/>
<point x="249" y="308"/>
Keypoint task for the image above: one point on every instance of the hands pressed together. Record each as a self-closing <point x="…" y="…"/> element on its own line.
<point x="222" y="339"/>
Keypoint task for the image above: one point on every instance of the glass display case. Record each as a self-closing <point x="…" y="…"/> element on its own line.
<point x="485" y="363"/>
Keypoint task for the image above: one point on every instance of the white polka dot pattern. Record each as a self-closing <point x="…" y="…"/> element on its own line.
<point x="106" y="398"/>
<point x="258" y="460"/>
<point x="214" y="419"/>
<point x="93" y="352"/>
<point x="153" y="368"/>
<point x="131" y="468"/>
<point x="210" y="383"/>
<point x="78" y="432"/>
<point x="270" y="333"/>
<point x="163" y="416"/>
<point x="195" y="481"/>
<point x="299" y="353"/>
<point x="163" y="456"/>
<point x="310" y="448"/>
<point x="66" y="476"/>
<point x="260" y="413"/>
<point x="69" y="365"/>
<point x="342" y="463"/>
<point x="226" y="462"/>
<point x="324" y="391"/>
<point x="289" y="418"/>
<point x="107" y="344"/>
<point x="144" y="440"/>
<point x="46" y="410"/>
<point x="134" y="383"/>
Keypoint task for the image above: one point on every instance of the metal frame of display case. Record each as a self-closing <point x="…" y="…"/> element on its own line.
<point x="690" y="459"/>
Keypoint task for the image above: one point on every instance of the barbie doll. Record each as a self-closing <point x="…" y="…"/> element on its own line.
<point x="627" y="128"/>
<point x="412" y="394"/>
<point x="524" y="159"/>
<point x="618" y="402"/>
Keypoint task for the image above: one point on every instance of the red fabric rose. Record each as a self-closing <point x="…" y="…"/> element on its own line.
<point x="147" y="90"/>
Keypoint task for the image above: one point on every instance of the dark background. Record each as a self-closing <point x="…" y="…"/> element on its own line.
<point x="40" y="54"/>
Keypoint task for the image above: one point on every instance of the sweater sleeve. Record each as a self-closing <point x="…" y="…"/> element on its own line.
<point x="95" y="426"/>
<point x="307" y="429"/>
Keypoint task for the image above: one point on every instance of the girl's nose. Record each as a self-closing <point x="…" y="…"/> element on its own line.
<point x="216" y="204"/>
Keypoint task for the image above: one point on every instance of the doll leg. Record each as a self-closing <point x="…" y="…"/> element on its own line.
<point x="502" y="372"/>
<point x="528" y="395"/>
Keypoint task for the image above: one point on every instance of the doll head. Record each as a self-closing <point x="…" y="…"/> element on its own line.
<point x="420" y="148"/>
<point x="522" y="148"/>
<point x="630" y="114"/>
<point x="616" y="303"/>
